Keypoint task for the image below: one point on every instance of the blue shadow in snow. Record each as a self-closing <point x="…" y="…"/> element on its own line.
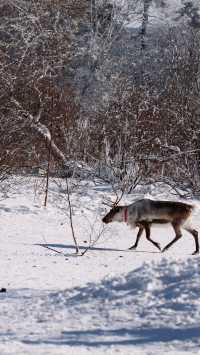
<point x="81" y="247"/>
<point x="123" y="336"/>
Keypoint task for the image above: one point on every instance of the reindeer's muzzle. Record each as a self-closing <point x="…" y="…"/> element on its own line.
<point x="110" y="215"/>
<point x="106" y="219"/>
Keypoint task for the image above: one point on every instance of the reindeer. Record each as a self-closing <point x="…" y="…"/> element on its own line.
<point x="143" y="213"/>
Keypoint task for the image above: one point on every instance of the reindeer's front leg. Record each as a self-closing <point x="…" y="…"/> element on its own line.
<point x="148" y="235"/>
<point x="141" y="228"/>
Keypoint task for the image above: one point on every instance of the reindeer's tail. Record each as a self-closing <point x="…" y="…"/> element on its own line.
<point x="193" y="212"/>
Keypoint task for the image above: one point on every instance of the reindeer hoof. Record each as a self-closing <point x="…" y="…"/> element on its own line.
<point x="158" y="246"/>
<point x="132" y="248"/>
<point x="195" y="252"/>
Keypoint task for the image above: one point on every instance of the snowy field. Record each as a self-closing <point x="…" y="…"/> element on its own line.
<point x="109" y="301"/>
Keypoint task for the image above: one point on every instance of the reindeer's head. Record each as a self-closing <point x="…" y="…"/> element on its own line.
<point x="115" y="215"/>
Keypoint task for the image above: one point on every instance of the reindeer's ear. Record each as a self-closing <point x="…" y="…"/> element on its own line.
<point x="117" y="209"/>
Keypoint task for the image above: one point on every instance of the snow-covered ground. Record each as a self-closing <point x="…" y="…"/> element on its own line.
<point x="111" y="300"/>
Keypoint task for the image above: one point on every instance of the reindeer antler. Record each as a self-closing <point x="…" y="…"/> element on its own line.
<point x="107" y="202"/>
<point x="110" y="203"/>
<point x="118" y="198"/>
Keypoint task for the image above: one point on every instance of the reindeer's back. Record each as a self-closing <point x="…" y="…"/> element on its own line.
<point x="171" y="210"/>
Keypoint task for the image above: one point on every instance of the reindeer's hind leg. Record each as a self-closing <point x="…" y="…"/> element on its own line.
<point x="176" y="226"/>
<point x="195" y="235"/>
<point x="148" y="233"/>
<point x="141" y="228"/>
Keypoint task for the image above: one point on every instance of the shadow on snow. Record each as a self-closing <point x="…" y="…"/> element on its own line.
<point x="81" y="247"/>
<point x="123" y="336"/>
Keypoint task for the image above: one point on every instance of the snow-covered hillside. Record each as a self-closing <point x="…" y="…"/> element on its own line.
<point x="111" y="300"/>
